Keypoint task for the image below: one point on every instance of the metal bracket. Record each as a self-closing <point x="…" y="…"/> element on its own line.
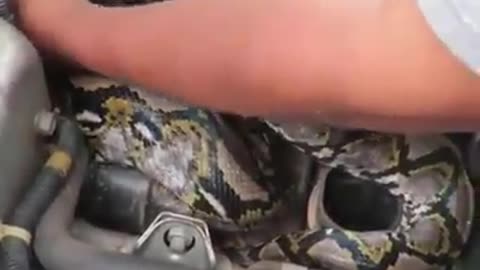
<point x="179" y="239"/>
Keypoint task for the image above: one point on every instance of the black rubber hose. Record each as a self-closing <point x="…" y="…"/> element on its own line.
<point x="56" y="249"/>
<point x="51" y="178"/>
<point x="15" y="250"/>
<point x="116" y="197"/>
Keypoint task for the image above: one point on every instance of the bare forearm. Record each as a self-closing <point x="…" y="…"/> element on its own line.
<point x="200" y="51"/>
<point x="372" y="65"/>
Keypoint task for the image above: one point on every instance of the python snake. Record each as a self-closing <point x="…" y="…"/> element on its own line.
<point x="198" y="159"/>
<point x="190" y="153"/>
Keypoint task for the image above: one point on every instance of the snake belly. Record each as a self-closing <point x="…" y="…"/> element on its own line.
<point x="190" y="153"/>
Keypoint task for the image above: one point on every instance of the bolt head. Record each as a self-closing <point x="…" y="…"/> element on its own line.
<point x="45" y="123"/>
<point x="179" y="240"/>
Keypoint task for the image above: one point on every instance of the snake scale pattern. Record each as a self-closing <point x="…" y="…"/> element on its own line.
<point x="199" y="159"/>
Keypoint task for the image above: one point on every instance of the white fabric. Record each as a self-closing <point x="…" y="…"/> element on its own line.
<point x="457" y="25"/>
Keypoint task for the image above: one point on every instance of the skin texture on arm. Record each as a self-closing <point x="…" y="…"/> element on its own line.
<point x="374" y="64"/>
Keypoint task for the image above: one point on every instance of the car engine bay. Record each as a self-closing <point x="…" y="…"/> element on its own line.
<point x="99" y="174"/>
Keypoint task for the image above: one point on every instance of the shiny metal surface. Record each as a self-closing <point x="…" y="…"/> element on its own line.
<point x="179" y="239"/>
<point x="23" y="93"/>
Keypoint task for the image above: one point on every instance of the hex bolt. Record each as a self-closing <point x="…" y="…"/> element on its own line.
<point x="45" y="123"/>
<point x="179" y="240"/>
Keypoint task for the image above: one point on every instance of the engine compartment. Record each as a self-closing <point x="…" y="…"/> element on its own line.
<point x="61" y="210"/>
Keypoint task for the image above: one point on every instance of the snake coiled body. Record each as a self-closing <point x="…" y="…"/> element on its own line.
<point x="423" y="173"/>
<point x="191" y="153"/>
<point x="202" y="164"/>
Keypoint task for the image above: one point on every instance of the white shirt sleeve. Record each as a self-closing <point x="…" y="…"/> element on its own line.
<point x="457" y="25"/>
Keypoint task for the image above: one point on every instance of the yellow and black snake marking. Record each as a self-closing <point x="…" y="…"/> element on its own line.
<point x="190" y="152"/>
<point x="425" y="175"/>
<point x="195" y="156"/>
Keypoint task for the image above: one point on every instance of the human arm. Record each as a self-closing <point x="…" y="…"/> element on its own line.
<point x="375" y="64"/>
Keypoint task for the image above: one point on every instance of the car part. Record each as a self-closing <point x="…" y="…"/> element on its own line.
<point x="46" y="130"/>
<point x="178" y="238"/>
<point x="123" y="199"/>
<point x="23" y="94"/>
<point x="18" y="228"/>
<point x="69" y="253"/>
<point x="102" y="238"/>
